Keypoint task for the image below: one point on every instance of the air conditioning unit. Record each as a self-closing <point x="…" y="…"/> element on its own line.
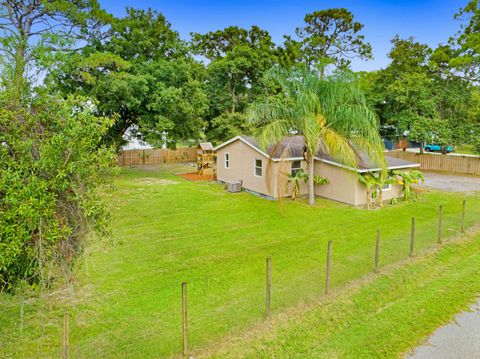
<point x="234" y="186"/>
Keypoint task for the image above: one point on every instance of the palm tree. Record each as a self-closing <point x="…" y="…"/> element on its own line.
<point x="329" y="112"/>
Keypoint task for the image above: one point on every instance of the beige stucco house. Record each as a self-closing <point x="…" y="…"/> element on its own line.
<point x="265" y="172"/>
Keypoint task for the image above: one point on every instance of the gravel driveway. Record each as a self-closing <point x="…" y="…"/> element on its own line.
<point x="451" y="183"/>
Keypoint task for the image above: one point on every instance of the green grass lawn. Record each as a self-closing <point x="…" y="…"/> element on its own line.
<point x="385" y="317"/>
<point x="466" y="149"/>
<point x="127" y="299"/>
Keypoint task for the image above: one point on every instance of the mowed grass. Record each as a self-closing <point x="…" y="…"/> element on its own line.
<point x="127" y="299"/>
<point x="465" y="149"/>
<point x="388" y="315"/>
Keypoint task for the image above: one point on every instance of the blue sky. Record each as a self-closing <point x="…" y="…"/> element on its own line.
<point x="429" y="21"/>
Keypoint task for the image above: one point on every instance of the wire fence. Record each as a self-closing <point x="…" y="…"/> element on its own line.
<point x="209" y="308"/>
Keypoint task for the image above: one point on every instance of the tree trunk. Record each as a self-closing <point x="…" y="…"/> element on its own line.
<point x="311" y="187"/>
<point x="422" y="146"/>
<point x="19" y="71"/>
<point x="233" y="108"/>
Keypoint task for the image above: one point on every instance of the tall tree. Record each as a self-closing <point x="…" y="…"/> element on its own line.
<point x="54" y="174"/>
<point x="330" y="113"/>
<point x="418" y="92"/>
<point x="53" y="168"/>
<point x="217" y="44"/>
<point x="34" y="30"/>
<point x="144" y="35"/>
<point x="237" y="59"/>
<point x="143" y="74"/>
<point x="332" y="36"/>
<point x="466" y="43"/>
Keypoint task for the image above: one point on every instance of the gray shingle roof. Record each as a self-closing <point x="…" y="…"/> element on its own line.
<point x="293" y="147"/>
<point x="206" y="146"/>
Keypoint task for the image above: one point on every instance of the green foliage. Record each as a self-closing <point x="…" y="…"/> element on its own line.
<point x="331" y="36"/>
<point x="238" y="59"/>
<point x="227" y="126"/>
<point x="217" y="44"/>
<point x="476" y="145"/>
<point x="52" y="177"/>
<point x="466" y="44"/>
<point x="373" y="182"/>
<point x="144" y="77"/>
<point x="300" y="175"/>
<point x="144" y="35"/>
<point x="407" y="179"/>
<point x="418" y="93"/>
<point x="37" y="33"/>
<point x="330" y="113"/>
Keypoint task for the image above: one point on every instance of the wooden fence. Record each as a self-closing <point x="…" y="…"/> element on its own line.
<point x="155" y="157"/>
<point x="468" y="165"/>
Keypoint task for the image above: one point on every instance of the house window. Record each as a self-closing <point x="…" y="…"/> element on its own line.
<point x="386" y="187"/>
<point x="227" y="160"/>
<point x="258" y="169"/>
<point x="296" y="166"/>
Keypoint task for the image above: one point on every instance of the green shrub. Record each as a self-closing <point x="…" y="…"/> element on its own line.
<point x="53" y="173"/>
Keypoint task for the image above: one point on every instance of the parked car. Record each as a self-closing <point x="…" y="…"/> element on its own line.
<point x="437" y="148"/>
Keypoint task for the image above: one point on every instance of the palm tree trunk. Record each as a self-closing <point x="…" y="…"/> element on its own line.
<point x="311" y="187"/>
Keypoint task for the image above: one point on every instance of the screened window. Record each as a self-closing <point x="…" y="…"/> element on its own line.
<point x="296" y="166"/>
<point x="258" y="169"/>
<point x="227" y="160"/>
<point x="386" y="187"/>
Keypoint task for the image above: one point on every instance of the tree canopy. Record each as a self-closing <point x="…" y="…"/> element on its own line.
<point x="330" y="113"/>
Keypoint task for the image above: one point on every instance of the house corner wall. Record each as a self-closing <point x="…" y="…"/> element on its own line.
<point x="342" y="186"/>
<point x="242" y="158"/>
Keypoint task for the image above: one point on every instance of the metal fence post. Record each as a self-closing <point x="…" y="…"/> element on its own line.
<point x="329" y="266"/>
<point x="184" y="319"/>
<point x="377" y="251"/>
<point x="412" y="238"/>
<point x="65" y="336"/>
<point x="268" y="287"/>
<point x="440" y="220"/>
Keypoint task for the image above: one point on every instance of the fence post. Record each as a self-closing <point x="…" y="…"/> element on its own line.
<point x="22" y="303"/>
<point x="143" y="157"/>
<point x="329" y="266"/>
<point x="184" y="319"/>
<point x="412" y="238"/>
<point x="268" y="287"/>
<point x="462" y="225"/>
<point x="377" y="251"/>
<point x="65" y="336"/>
<point x="440" y="219"/>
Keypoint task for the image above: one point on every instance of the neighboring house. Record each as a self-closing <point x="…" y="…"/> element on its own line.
<point x="133" y="141"/>
<point x="265" y="172"/>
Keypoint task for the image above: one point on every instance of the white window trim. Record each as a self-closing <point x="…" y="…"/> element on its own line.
<point x="389" y="188"/>
<point x="295" y="168"/>
<point x="225" y="160"/>
<point x="255" y="159"/>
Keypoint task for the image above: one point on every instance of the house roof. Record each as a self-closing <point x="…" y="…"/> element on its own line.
<point x="206" y="146"/>
<point x="292" y="148"/>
